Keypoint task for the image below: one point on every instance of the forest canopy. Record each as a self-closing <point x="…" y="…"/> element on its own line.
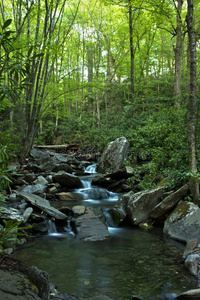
<point x="89" y="71"/>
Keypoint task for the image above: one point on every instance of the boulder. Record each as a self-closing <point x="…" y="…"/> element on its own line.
<point x="44" y="205"/>
<point x="113" y="156"/>
<point x="119" y="212"/>
<point x="183" y="223"/>
<point x="67" y="180"/>
<point x="192" y="262"/>
<point x="140" y="205"/>
<point x="169" y="202"/>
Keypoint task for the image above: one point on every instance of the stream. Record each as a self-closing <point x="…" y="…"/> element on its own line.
<point x="131" y="262"/>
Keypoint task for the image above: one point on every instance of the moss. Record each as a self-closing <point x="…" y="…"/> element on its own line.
<point x="179" y="212"/>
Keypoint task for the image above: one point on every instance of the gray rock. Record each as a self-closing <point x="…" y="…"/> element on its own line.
<point x="113" y="156"/>
<point x="192" y="262"/>
<point x="63" y="167"/>
<point x="68" y="196"/>
<point x="39" y="154"/>
<point x="169" y="202"/>
<point x="27" y="213"/>
<point x="40" y="180"/>
<point x="11" y="214"/>
<point x="183" y="223"/>
<point x="90" y="227"/>
<point x="67" y="180"/>
<point x="78" y="209"/>
<point x="35" y="189"/>
<point x="41" y="280"/>
<point x="140" y="204"/>
<point x="189" y="295"/>
<point x="44" y="205"/>
<point x="191" y="245"/>
<point x="15" y="287"/>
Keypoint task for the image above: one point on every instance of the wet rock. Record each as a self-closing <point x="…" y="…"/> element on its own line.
<point x="102" y="180"/>
<point x="41" y="280"/>
<point x="169" y="202"/>
<point x="192" y="262"/>
<point x="118" y="215"/>
<point x="140" y="205"/>
<point x="183" y="223"/>
<point x="90" y="227"/>
<point x="67" y="196"/>
<point x="67" y="180"/>
<point x="113" y="156"/>
<point x="191" y="245"/>
<point x="44" y="205"/>
<point x="40" y="227"/>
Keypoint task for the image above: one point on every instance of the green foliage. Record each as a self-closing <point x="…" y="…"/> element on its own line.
<point x="10" y="233"/>
<point x="159" y="145"/>
<point x="7" y="153"/>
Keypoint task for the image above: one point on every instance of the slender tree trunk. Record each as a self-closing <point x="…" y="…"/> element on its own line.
<point x="193" y="183"/>
<point x="131" y="56"/>
<point x="178" y="51"/>
<point x="90" y="76"/>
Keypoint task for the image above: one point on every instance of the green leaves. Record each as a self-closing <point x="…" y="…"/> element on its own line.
<point x="6" y="24"/>
<point x="10" y="232"/>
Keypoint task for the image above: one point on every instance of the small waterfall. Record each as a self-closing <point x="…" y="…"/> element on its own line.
<point x="91" y="169"/>
<point x="51" y="227"/>
<point x="86" y="184"/>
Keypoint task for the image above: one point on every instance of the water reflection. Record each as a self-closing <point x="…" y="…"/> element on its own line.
<point x="132" y="261"/>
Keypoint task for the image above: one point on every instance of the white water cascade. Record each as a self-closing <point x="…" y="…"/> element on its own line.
<point x="94" y="195"/>
<point x="51" y="227"/>
<point x="91" y="169"/>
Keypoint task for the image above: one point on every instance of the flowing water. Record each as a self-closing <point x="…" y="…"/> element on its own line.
<point x="131" y="261"/>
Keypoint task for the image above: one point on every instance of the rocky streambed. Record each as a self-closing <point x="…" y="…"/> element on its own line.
<point x="46" y="194"/>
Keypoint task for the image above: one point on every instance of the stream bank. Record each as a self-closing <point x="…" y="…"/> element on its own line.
<point x="74" y="205"/>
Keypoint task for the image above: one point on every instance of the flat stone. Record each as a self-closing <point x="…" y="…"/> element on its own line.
<point x="78" y="209"/>
<point x="90" y="228"/>
<point x="44" y="205"/>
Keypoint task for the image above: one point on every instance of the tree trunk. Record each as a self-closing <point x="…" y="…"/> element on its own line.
<point x="193" y="183"/>
<point x="132" y="56"/>
<point x="178" y="51"/>
<point x="90" y="76"/>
